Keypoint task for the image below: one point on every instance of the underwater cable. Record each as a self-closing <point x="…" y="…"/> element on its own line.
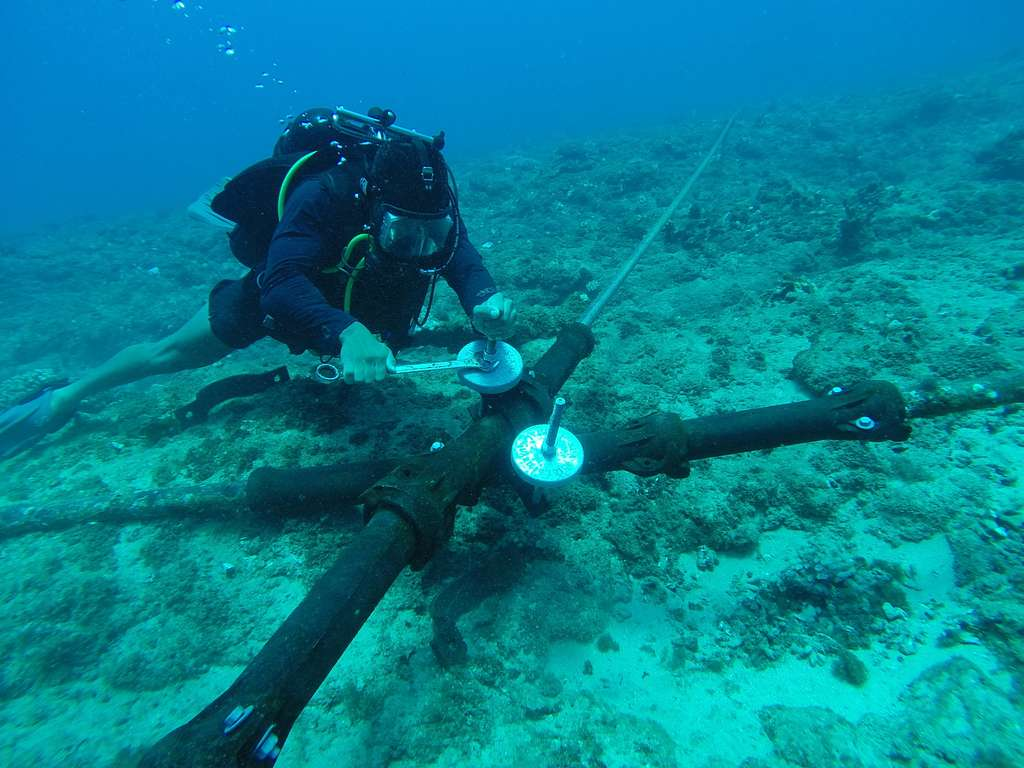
<point x="595" y="308"/>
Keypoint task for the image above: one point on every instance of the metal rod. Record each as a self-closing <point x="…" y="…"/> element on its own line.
<point x="597" y="305"/>
<point x="440" y="365"/>
<point x="372" y="121"/>
<point x="548" y="448"/>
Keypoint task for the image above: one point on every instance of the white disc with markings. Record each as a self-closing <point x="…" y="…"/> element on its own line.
<point x="503" y="371"/>
<point x="557" y="466"/>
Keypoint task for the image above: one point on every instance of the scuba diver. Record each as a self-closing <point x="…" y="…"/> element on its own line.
<point x="346" y="230"/>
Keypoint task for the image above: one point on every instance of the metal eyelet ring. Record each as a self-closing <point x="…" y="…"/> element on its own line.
<point x="327" y="372"/>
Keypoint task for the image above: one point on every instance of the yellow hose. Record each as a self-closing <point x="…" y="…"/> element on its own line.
<point x="351" y="284"/>
<point x="282" y="193"/>
<point x="354" y="243"/>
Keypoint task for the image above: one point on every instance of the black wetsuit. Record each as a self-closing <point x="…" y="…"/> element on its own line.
<point x="290" y="298"/>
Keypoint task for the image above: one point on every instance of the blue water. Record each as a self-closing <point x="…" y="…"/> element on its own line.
<point x="123" y="106"/>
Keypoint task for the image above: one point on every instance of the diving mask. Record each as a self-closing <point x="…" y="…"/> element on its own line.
<point x="416" y="239"/>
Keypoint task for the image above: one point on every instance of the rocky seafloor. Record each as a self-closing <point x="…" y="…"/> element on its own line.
<point x="826" y="604"/>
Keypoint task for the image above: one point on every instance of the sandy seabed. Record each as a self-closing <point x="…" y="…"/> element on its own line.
<point x="827" y="604"/>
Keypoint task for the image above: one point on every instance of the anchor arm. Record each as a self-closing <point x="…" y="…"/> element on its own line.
<point x="287" y="671"/>
<point x="663" y="443"/>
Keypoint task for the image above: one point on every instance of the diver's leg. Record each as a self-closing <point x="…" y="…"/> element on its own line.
<point x="194" y="345"/>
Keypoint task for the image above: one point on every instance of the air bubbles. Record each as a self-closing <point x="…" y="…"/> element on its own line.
<point x="226" y="32"/>
<point x="267" y="79"/>
<point x="224" y="35"/>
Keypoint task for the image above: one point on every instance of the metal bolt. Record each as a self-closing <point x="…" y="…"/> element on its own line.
<point x="235" y="718"/>
<point x="548" y="449"/>
<point x="267" y="747"/>
<point x="865" y="422"/>
<point x="490" y="355"/>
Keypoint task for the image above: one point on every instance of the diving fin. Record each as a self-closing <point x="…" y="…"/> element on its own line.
<point x="202" y="208"/>
<point x="25" y="424"/>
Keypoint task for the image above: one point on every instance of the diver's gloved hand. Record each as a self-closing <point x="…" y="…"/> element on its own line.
<point x="496" y="317"/>
<point x="363" y="357"/>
